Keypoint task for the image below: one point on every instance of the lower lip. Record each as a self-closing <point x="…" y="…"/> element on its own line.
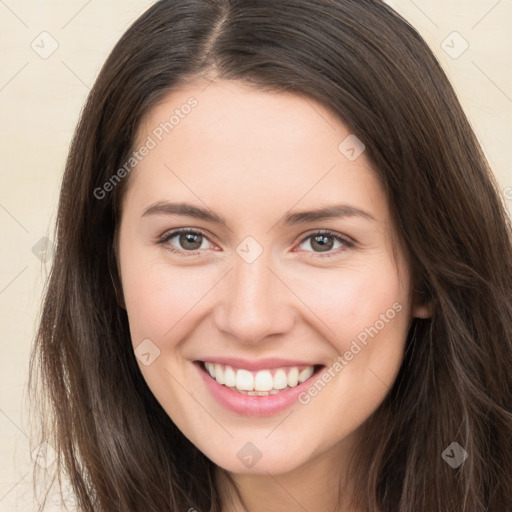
<point x="253" y="405"/>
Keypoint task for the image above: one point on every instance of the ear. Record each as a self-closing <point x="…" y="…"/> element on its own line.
<point x="420" y="308"/>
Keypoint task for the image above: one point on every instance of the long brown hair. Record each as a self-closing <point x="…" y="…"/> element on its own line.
<point x="115" y="443"/>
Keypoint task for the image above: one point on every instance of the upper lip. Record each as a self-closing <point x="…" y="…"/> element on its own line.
<point x="255" y="365"/>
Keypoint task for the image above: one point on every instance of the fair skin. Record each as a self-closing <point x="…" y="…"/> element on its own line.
<point x="252" y="158"/>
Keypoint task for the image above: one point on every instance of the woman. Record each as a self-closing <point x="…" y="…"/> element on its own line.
<point x="198" y="351"/>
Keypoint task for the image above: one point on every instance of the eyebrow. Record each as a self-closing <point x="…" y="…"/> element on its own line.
<point x="302" y="217"/>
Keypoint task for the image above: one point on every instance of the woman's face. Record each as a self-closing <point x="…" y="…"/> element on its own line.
<point x="252" y="287"/>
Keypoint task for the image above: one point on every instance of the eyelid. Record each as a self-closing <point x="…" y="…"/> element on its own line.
<point x="344" y="239"/>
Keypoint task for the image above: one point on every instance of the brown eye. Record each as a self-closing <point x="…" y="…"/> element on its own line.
<point x="324" y="242"/>
<point x="190" y="241"/>
<point x="185" y="241"/>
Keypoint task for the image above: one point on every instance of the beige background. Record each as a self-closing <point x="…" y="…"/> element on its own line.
<point x="40" y="99"/>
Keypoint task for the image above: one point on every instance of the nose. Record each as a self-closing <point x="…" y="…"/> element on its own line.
<point x="255" y="302"/>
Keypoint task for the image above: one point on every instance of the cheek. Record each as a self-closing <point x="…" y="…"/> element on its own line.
<point x="348" y="301"/>
<point x="161" y="298"/>
<point x="366" y="309"/>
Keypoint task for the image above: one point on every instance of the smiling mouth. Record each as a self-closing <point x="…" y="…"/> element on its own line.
<point x="262" y="382"/>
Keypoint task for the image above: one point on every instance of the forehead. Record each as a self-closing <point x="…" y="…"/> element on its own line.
<point x="250" y="150"/>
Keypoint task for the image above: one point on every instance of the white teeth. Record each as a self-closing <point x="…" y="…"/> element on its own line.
<point x="263" y="381"/>
<point x="229" y="377"/>
<point x="280" y="379"/>
<point x="304" y="374"/>
<point x="293" y="377"/>
<point x="244" y="380"/>
<point x="219" y="374"/>
<point x="211" y="369"/>
<point x="260" y="383"/>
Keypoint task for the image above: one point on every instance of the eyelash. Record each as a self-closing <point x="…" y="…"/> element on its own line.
<point x="164" y="239"/>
